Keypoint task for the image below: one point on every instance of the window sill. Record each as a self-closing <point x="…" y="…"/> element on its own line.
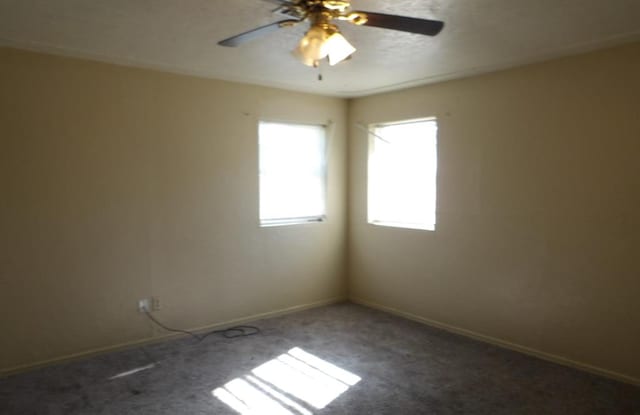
<point x="413" y="226"/>
<point x="294" y="221"/>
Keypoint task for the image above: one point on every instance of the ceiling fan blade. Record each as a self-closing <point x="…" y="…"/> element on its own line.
<point x="404" y="24"/>
<point x="237" y="40"/>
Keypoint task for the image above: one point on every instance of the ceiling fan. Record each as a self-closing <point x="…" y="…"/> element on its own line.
<point x="323" y="39"/>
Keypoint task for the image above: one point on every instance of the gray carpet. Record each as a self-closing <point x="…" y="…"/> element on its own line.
<point x="403" y="367"/>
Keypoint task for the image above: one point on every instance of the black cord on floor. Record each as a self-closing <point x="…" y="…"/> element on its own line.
<point x="229" y="333"/>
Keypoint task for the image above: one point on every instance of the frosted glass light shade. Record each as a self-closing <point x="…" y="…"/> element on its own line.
<point x="311" y="48"/>
<point x="338" y="48"/>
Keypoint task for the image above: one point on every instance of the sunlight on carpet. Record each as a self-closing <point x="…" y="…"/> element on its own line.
<point x="294" y="383"/>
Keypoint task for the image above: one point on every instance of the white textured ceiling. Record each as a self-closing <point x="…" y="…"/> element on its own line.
<point x="181" y="35"/>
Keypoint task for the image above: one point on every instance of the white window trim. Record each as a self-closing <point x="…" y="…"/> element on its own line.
<point x="301" y="220"/>
<point x="372" y="136"/>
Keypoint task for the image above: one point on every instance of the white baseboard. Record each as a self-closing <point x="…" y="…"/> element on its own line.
<point x="502" y="343"/>
<point x="156" y="339"/>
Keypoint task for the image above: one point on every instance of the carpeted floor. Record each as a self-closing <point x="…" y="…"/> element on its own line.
<point x="340" y="359"/>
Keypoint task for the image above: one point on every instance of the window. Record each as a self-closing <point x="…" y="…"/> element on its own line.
<point x="292" y="173"/>
<point x="402" y="174"/>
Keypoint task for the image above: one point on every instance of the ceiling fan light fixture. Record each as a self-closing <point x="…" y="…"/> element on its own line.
<point x="323" y="41"/>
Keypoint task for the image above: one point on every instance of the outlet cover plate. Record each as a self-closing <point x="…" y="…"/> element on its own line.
<point x="144" y="305"/>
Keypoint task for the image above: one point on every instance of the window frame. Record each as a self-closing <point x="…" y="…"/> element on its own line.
<point x="297" y="220"/>
<point x="371" y="147"/>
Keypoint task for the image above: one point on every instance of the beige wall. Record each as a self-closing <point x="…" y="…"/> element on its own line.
<point x="538" y="222"/>
<point x="119" y="183"/>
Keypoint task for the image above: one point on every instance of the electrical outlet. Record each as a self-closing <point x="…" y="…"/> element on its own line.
<point x="155" y="303"/>
<point x="144" y="305"/>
